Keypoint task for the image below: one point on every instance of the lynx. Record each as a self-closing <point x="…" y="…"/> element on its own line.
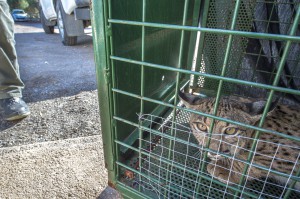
<point x="272" y="151"/>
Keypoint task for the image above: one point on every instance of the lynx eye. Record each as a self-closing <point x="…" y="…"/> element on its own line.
<point x="200" y="126"/>
<point x="239" y="131"/>
<point x="231" y="130"/>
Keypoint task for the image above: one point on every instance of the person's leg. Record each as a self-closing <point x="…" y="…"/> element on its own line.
<point x="11" y="103"/>
<point x="10" y="82"/>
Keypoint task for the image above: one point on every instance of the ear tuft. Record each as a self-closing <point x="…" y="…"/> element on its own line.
<point x="257" y="108"/>
<point x="188" y="99"/>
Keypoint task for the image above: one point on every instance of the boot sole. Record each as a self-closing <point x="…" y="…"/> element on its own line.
<point x="17" y="117"/>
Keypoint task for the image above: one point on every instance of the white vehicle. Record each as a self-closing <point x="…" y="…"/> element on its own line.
<point x="71" y="17"/>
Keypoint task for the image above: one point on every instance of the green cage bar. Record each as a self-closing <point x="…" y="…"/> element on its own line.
<point x="276" y="80"/>
<point x="146" y="51"/>
<point x="224" y="66"/>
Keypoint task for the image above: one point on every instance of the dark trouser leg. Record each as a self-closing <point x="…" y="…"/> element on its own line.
<point x="10" y="82"/>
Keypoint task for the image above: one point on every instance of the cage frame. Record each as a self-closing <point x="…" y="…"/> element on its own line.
<point x="102" y="31"/>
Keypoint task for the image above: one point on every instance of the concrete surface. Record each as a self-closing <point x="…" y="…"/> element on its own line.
<point x="71" y="168"/>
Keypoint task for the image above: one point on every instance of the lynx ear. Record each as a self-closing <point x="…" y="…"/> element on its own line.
<point x="257" y="108"/>
<point x="189" y="100"/>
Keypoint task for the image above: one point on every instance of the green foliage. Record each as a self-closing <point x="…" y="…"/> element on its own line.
<point x="27" y="5"/>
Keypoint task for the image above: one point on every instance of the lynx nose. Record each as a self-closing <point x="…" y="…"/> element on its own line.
<point x="209" y="154"/>
<point x="213" y="156"/>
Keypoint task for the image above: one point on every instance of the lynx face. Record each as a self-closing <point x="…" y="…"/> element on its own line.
<point x="226" y="138"/>
<point x="272" y="151"/>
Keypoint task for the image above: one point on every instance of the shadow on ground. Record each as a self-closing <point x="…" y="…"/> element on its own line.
<point x="48" y="68"/>
<point x="60" y="88"/>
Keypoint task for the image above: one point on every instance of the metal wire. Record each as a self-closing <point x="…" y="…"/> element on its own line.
<point x="166" y="161"/>
<point x="181" y="182"/>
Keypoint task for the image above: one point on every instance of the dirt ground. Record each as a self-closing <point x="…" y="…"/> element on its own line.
<point x="60" y="88"/>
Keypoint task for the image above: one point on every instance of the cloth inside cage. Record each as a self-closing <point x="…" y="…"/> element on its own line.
<point x="254" y="60"/>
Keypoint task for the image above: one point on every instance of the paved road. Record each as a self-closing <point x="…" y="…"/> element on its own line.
<point x="49" y="69"/>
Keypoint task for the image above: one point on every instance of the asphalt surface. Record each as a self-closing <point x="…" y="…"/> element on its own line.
<point x="48" y="68"/>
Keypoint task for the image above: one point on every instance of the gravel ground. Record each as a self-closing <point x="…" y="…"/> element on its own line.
<point x="55" y="119"/>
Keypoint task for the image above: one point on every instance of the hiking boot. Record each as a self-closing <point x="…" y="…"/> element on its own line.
<point x="14" y="108"/>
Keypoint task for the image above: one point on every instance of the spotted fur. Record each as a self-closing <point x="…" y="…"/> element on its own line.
<point x="272" y="151"/>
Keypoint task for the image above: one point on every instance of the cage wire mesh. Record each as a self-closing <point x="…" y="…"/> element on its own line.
<point x="168" y="161"/>
<point x="172" y="159"/>
<point x="251" y="59"/>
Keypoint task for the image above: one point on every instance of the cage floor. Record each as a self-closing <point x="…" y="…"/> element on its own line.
<point x="172" y="169"/>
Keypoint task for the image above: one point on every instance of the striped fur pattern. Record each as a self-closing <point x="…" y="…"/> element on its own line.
<point x="273" y="152"/>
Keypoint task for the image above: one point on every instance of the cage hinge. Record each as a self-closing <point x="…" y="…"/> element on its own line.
<point x="113" y="123"/>
<point x="109" y="31"/>
<point x="107" y="76"/>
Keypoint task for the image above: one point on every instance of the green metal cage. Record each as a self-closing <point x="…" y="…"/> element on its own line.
<point x="148" y="50"/>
